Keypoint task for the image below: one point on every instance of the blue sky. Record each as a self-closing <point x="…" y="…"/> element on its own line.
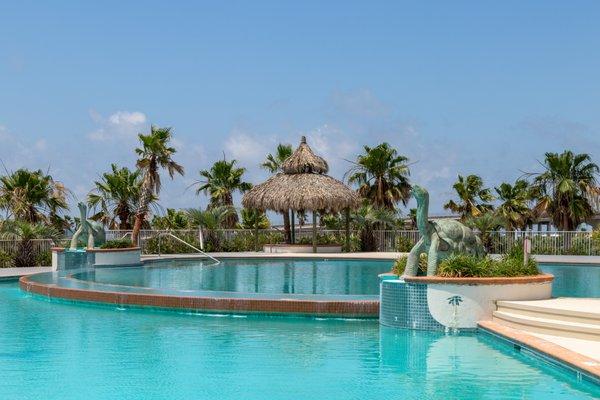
<point x="458" y="87"/>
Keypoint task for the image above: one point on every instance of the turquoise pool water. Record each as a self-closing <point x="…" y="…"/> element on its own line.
<point x="574" y="280"/>
<point x="264" y="276"/>
<point x="51" y="350"/>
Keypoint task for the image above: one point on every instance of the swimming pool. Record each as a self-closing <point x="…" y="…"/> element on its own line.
<point x="574" y="280"/>
<point x="52" y="350"/>
<point x="338" y="277"/>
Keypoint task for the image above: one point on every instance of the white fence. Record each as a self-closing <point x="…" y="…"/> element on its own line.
<point x="498" y="242"/>
<point x="552" y="243"/>
<point x="8" y="248"/>
<point x="39" y="245"/>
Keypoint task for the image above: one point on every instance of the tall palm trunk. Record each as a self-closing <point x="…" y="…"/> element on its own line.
<point x="141" y="212"/>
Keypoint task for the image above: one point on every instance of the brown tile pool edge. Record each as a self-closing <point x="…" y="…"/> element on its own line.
<point x="559" y="354"/>
<point x="540" y="278"/>
<point x="317" y="308"/>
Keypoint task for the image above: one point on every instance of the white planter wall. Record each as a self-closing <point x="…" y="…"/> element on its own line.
<point x="478" y="301"/>
<point x="117" y="257"/>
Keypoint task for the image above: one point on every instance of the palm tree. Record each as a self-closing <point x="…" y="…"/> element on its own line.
<point x="366" y="219"/>
<point x="173" y="219"/>
<point x="25" y="232"/>
<point x="273" y="163"/>
<point x="32" y="196"/>
<point x="155" y="153"/>
<point x="220" y="182"/>
<point x="382" y="176"/>
<point x="515" y="209"/>
<point x="565" y="187"/>
<point x="486" y="223"/>
<point x="473" y="197"/>
<point x="412" y="214"/>
<point x="254" y="219"/>
<point x="210" y="221"/>
<point x="116" y="195"/>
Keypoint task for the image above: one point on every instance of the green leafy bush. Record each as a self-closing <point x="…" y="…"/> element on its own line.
<point x="404" y="244"/>
<point x="510" y="265"/>
<point x="400" y="265"/>
<point x="321" y="239"/>
<point x="6" y="259"/>
<point x="241" y="241"/>
<point x="168" y="245"/>
<point x="117" y="244"/>
<point x="246" y="241"/>
<point x="43" y="258"/>
<point x="464" y="265"/>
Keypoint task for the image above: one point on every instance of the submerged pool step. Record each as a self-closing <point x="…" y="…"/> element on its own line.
<point x="577" y="318"/>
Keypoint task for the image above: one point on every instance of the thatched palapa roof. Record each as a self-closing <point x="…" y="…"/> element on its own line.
<point x="303" y="161"/>
<point x="302" y="186"/>
<point x="284" y="192"/>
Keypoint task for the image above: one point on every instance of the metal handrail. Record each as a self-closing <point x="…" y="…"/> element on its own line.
<point x="187" y="244"/>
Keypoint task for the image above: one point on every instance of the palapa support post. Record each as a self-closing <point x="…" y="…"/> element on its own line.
<point x="293" y="225"/>
<point x="256" y="236"/>
<point x="347" y="212"/>
<point x="314" y="232"/>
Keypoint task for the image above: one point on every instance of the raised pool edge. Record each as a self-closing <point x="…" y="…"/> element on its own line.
<point x="286" y="306"/>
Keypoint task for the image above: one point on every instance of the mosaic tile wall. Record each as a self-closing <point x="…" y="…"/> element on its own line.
<point x="76" y="260"/>
<point x="404" y="305"/>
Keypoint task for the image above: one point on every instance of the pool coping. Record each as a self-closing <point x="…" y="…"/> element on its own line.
<point x="549" y="351"/>
<point x="500" y="280"/>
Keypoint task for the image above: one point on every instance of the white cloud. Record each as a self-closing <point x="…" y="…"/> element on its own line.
<point x="121" y="124"/>
<point x="246" y="148"/>
<point x="127" y="118"/>
<point x="333" y="145"/>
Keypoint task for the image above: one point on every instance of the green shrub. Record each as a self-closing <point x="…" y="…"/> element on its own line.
<point x="400" y="265"/>
<point x="43" y="258"/>
<point x="354" y="243"/>
<point x="510" y="265"/>
<point x="117" y="244"/>
<point x="6" y="259"/>
<point x="246" y="241"/>
<point x="241" y="241"/>
<point x="169" y="245"/>
<point x="464" y="265"/>
<point x="404" y="244"/>
<point x="321" y="239"/>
